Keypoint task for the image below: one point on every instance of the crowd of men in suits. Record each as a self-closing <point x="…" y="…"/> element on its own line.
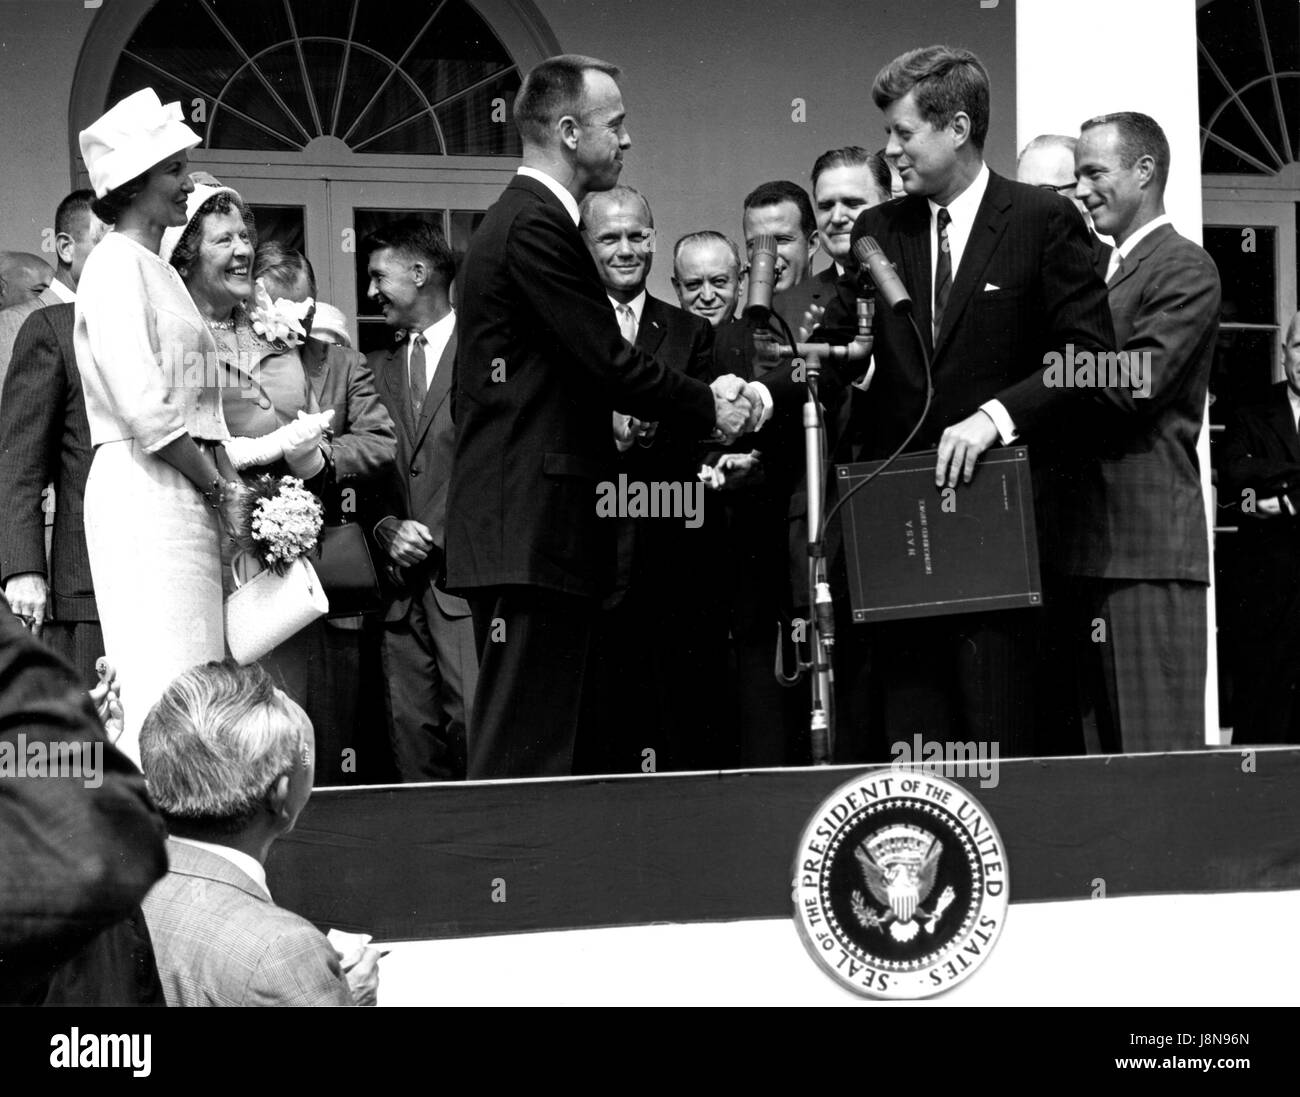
<point x="524" y="634"/>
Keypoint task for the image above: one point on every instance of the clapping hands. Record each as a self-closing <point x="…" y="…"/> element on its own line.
<point x="737" y="408"/>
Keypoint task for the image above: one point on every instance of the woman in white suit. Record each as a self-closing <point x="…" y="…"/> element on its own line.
<point x="146" y="357"/>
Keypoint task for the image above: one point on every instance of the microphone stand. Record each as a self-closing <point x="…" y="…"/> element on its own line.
<point x="822" y="623"/>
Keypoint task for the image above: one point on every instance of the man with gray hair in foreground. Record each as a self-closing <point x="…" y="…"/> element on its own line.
<point x="228" y="760"/>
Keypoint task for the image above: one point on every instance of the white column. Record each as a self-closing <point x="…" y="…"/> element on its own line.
<point x="1074" y="62"/>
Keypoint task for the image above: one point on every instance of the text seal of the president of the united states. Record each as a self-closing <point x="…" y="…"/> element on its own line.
<point x="900" y="884"/>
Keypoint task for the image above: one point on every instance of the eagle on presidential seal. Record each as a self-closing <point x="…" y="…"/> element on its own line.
<point x="899" y="863"/>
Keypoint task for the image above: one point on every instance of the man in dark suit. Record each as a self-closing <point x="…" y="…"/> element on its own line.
<point x="430" y="662"/>
<point x="659" y="655"/>
<point x="1259" y="478"/>
<point x="540" y="369"/>
<point x="362" y="447"/>
<point x="79" y="848"/>
<point x="1001" y="276"/>
<point x="45" y="440"/>
<point x="1136" y="531"/>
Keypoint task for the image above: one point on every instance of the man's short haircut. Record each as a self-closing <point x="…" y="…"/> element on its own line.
<point x="217" y="740"/>
<point x="620" y="195"/>
<point x="73" y="213"/>
<point x="944" y="80"/>
<point x="854" y="156"/>
<point x="1139" y="135"/>
<point x="281" y="267"/>
<point x="552" y="89"/>
<point x="707" y="236"/>
<point x="416" y="239"/>
<point x="1048" y="141"/>
<point x="782" y="190"/>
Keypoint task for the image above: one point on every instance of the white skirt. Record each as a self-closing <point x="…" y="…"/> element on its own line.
<point x="156" y="563"/>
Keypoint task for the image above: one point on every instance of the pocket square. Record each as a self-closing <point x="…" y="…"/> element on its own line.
<point x="989" y="287"/>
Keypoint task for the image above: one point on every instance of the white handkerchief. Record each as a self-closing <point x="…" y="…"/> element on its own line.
<point x="989" y="287"/>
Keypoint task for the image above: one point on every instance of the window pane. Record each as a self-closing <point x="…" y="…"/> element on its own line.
<point x="476" y="125"/>
<point x="1246" y="256"/>
<point x="1243" y="369"/>
<point x="286" y="225"/>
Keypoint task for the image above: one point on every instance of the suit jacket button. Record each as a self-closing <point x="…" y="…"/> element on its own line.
<point x="415" y="471"/>
<point x="263" y="402"/>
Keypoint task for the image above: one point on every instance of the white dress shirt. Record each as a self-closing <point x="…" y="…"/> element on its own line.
<point x="1126" y="248"/>
<point x="1295" y="406"/>
<point x="551" y="184"/>
<point x="436" y="338"/>
<point x="962" y="210"/>
<point x="237" y="857"/>
<point x="59" y="290"/>
<point x="637" y="305"/>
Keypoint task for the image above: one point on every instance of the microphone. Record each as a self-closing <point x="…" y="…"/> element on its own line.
<point x="871" y="259"/>
<point x="762" y="277"/>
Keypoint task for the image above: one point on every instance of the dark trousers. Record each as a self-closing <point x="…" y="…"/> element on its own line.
<point x="657" y="699"/>
<point x="430" y="674"/>
<point x="964" y="678"/>
<point x="81" y="643"/>
<point x="533" y="647"/>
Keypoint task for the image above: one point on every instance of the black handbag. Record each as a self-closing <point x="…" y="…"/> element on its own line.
<point x="346" y="570"/>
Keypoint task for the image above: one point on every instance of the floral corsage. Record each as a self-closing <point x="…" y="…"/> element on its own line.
<point x="280" y="322"/>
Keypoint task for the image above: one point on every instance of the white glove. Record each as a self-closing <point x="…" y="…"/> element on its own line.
<point x="302" y="448"/>
<point x="247" y="452"/>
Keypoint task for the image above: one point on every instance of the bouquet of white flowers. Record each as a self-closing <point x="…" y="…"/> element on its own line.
<point x="281" y="521"/>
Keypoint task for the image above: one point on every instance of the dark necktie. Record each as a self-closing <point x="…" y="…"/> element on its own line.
<point x="942" y="270"/>
<point x="419" y="385"/>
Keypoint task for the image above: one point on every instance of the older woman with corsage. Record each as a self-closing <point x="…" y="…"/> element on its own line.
<point x="268" y="406"/>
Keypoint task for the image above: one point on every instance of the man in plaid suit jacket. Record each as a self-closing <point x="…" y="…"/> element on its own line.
<point x="1135" y="529"/>
<point x="228" y="760"/>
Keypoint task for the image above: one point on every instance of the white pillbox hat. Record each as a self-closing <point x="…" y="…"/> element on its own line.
<point x="136" y="133"/>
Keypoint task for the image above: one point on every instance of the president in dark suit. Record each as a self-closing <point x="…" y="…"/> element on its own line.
<point x="541" y="367"/>
<point x="1259" y="478"/>
<point x="430" y="663"/>
<point x="45" y="439"/>
<point x="1001" y="275"/>
<point x="1137" y="530"/>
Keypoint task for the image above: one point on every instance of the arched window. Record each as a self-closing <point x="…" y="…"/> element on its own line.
<point x="1249" y="86"/>
<point x="428" y="79"/>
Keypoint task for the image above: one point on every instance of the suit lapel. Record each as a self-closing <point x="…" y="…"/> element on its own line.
<point x="317" y="361"/>
<point x="438" y="392"/>
<point x="393" y="378"/>
<point x="1134" y="259"/>
<point x="985" y="234"/>
<point x="914" y="240"/>
<point x="651" y="331"/>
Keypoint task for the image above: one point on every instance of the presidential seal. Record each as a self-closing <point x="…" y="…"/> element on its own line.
<point x="900" y="885"/>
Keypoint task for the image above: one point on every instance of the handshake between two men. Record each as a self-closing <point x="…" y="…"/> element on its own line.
<point x="739" y="407"/>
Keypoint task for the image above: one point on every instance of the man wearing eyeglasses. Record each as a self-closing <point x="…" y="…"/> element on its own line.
<point x="659" y="647"/>
<point x="1047" y="162"/>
